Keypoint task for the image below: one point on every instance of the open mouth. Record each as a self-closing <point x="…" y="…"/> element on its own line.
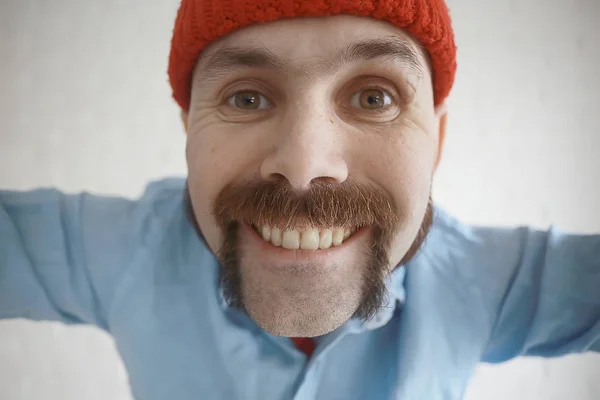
<point x="306" y="239"/>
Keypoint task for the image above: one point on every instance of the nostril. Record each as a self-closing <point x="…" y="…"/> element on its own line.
<point x="276" y="177"/>
<point x="324" y="179"/>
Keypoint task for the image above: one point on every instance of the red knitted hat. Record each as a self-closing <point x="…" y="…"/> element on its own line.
<point x="199" y="22"/>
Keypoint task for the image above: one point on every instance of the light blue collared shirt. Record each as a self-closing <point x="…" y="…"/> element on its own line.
<point x="138" y="270"/>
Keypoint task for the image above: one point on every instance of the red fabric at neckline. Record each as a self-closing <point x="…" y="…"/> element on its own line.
<point x="305" y="345"/>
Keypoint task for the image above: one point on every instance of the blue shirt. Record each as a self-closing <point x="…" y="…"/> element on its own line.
<point x="138" y="270"/>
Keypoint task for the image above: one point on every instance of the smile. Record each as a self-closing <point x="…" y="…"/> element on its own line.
<point x="306" y="239"/>
<point x="272" y="248"/>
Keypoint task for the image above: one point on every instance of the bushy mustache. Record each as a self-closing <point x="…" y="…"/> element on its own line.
<point x="324" y="205"/>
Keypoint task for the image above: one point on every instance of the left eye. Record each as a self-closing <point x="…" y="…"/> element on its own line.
<point x="371" y="99"/>
<point x="249" y="100"/>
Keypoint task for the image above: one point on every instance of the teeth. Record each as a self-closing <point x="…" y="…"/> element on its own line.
<point x="276" y="236"/>
<point x="308" y="239"/>
<point x="291" y="240"/>
<point x="325" y="239"/>
<point x="266" y="233"/>
<point x="338" y="236"/>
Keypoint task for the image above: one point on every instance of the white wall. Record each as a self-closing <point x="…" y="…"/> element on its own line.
<point x="85" y="105"/>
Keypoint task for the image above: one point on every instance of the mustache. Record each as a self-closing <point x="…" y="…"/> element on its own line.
<point x="323" y="205"/>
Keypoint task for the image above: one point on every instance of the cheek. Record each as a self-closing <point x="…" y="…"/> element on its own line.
<point x="209" y="169"/>
<point x="217" y="154"/>
<point x="402" y="163"/>
<point x="204" y="186"/>
<point x="412" y="185"/>
<point x="409" y="179"/>
<point x="400" y="159"/>
<point x="412" y="166"/>
<point x="207" y="147"/>
<point x="223" y="148"/>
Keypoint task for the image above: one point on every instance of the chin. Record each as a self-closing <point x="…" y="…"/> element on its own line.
<point x="301" y="293"/>
<point x="292" y="318"/>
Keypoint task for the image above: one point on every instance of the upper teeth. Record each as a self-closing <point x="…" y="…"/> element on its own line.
<point x="308" y="239"/>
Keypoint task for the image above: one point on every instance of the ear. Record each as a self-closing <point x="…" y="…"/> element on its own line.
<point x="441" y="114"/>
<point x="184" y="119"/>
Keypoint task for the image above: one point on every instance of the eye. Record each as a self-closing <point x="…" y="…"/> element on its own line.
<point x="249" y="100"/>
<point x="371" y="99"/>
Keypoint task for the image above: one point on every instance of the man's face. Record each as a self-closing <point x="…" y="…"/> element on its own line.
<point x="311" y="149"/>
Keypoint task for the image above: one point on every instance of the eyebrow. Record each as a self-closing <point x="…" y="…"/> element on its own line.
<point x="229" y="58"/>
<point x="391" y="47"/>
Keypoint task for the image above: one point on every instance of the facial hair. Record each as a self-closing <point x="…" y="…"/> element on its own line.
<point x="324" y="205"/>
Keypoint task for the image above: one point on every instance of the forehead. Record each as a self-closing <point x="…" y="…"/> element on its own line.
<point x="312" y="42"/>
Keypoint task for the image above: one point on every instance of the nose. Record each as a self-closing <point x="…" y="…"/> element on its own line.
<point x="308" y="148"/>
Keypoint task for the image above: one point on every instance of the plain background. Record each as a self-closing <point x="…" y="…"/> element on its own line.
<point x="85" y="105"/>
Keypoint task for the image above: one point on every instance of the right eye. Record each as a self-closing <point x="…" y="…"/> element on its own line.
<point x="372" y="99"/>
<point x="249" y="100"/>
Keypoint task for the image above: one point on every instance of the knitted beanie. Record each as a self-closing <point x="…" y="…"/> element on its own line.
<point x="200" y="22"/>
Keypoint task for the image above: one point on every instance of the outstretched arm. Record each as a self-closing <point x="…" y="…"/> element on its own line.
<point x="538" y="291"/>
<point x="62" y="256"/>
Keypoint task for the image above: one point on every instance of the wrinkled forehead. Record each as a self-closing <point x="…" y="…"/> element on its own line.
<point x="314" y="46"/>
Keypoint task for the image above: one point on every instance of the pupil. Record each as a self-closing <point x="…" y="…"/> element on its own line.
<point x="373" y="100"/>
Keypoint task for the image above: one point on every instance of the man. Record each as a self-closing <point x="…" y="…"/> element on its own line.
<point x="313" y="134"/>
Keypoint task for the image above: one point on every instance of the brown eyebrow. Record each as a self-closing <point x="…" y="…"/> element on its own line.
<point x="229" y="58"/>
<point x="387" y="47"/>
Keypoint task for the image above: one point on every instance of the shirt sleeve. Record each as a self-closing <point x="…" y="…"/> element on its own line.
<point x="551" y="302"/>
<point x="541" y="289"/>
<point x="62" y="256"/>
